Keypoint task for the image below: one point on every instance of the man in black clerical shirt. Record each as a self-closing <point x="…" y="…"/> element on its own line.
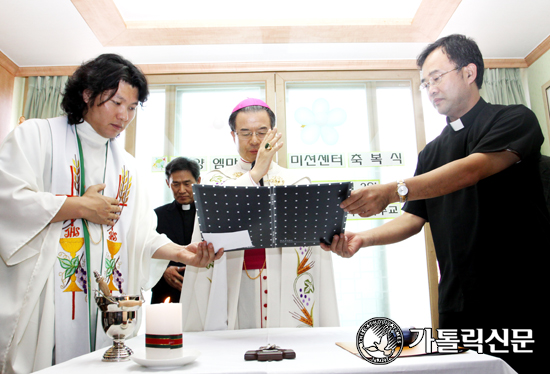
<point x="478" y="185"/>
<point x="176" y="220"/>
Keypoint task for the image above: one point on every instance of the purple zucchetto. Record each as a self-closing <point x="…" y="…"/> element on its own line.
<point x="250" y="102"/>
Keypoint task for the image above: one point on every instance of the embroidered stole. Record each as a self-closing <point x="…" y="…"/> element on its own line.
<point x="81" y="253"/>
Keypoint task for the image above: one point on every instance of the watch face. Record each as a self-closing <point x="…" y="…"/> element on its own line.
<point x="402" y="190"/>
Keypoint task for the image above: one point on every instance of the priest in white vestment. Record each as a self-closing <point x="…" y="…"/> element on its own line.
<point x="258" y="288"/>
<point x="72" y="203"/>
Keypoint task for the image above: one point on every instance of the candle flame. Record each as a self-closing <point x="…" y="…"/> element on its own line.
<point x="167" y="301"/>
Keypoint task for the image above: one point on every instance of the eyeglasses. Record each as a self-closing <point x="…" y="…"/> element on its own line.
<point x="248" y="134"/>
<point x="434" y="81"/>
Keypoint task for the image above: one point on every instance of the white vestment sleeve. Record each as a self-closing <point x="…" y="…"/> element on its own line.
<point x="27" y="205"/>
<point x="143" y="240"/>
<point x="27" y="247"/>
<point x="195" y="291"/>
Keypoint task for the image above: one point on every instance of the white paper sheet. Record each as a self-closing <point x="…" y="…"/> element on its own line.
<point x="228" y="240"/>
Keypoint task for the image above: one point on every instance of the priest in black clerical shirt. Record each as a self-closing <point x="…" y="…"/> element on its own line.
<point x="176" y="220"/>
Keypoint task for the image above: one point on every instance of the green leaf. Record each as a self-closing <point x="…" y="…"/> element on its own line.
<point x="308" y="286"/>
<point x="65" y="264"/>
<point x="69" y="272"/>
<point x="109" y="266"/>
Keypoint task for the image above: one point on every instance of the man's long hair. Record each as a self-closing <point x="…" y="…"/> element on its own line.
<point x="102" y="74"/>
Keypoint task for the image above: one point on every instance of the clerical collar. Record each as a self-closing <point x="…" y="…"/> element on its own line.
<point x="87" y="133"/>
<point x="184" y="207"/>
<point x="469" y="118"/>
<point x="457" y="125"/>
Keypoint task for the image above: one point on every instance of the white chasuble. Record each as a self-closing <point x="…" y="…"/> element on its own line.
<point x="76" y="311"/>
<point x="31" y="247"/>
<point x="296" y="288"/>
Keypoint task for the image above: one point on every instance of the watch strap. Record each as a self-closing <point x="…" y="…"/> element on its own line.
<point x="402" y="197"/>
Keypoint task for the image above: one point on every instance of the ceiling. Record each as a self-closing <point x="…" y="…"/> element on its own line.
<point x="37" y="33"/>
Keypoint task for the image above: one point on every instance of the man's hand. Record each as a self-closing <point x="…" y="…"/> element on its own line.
<point x="172" y="276"/>
<point x="398" y="229"/>
<point x="91" y="206"/>
<point x="370" y="200"/>
<point x="344" y="245"/>
<point x="98" y="208"/>
<point x="265" y="156"/>
<point x="198" y="254"/>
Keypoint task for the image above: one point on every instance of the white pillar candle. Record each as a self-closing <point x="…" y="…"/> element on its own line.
<point x="163" y="330"/>
<point x="163" y="319"/>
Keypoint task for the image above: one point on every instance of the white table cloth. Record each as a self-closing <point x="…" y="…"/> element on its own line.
<point x="316" y="352"/>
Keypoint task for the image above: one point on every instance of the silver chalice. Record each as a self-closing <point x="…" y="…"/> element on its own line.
<point x="119" y="319"/>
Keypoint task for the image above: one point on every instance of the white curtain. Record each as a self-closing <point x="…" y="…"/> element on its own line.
<point x="503" y="86"/>
<point x="44" y="97"/>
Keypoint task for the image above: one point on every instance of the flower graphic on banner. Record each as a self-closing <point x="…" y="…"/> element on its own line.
<point x="320" y="121"/>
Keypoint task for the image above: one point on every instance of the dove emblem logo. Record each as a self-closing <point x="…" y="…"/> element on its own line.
<point x="379" y="341"/>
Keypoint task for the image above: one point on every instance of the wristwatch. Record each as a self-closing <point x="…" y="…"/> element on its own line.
<point x="402" y="191"/>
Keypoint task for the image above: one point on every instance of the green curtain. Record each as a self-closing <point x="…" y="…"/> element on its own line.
<point x="503" y="86"/>
<point x="44" y="97"/>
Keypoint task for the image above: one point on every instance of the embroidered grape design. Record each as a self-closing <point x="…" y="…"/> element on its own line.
<point x="305" y="299"/>
<point x="82" y="279"/>
<point x="117" y="278"/>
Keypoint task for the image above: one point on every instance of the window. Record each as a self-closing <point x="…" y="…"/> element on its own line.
<point x="202" y="112"/>
<point x="150" y="140"/>
<point x="360" y="126"/>
<point x="363" y="131"/>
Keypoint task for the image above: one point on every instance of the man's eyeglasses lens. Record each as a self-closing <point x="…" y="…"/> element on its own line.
<point x="434" y="81"/>
<point x="248" y="134"/>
